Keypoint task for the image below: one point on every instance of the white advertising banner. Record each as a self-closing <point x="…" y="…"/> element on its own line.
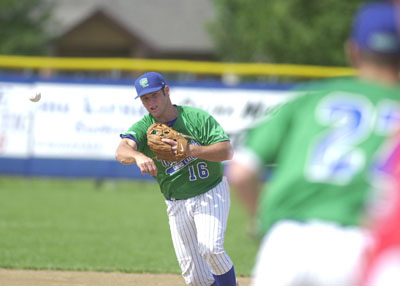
<point x="85" y="120"/>
<point x="15" y="119"/>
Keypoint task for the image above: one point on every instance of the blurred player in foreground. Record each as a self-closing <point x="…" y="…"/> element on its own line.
<point x="382" y="265"/>
<point x="195" y="190"/>
<point x="310" y="210"/>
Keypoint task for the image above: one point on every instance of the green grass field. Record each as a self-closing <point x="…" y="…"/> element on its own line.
<point x="76" y="224"/>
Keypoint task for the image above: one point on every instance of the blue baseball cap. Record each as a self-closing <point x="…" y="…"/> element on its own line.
<point x="149" y="82"/>
<point x="376" y="28"/>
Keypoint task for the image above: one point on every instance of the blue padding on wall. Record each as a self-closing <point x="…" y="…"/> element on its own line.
<point x="254" y="85"/>
<point x="70" y="168"/>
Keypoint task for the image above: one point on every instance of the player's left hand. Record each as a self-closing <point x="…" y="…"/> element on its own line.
<point x="173" y="143"/>
<point x="174" y="146"/>
<point x="172" y="150"/>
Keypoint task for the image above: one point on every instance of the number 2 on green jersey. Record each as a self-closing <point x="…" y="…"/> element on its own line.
<point x="335" y="155"/>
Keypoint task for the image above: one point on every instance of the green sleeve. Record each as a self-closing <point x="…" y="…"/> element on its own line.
<point x="138" y="132"/>
<point x="267" y="136"/>
<point x="214" y="132"/>
<point x="201" y="125"/>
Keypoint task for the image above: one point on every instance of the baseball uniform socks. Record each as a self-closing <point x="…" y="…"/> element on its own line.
<point x="227" y="279"/>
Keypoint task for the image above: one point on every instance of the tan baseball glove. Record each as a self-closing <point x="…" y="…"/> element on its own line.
<point x="162" y="150"/>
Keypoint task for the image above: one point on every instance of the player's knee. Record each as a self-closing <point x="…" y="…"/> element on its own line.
<point x="210" y="252"/>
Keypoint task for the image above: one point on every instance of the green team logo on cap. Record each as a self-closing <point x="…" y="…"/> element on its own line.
<point x="384" y="42"/>
<point x="144" y="82"/>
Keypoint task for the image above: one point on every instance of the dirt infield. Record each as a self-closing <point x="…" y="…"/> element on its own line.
<point x="73" y="278"/>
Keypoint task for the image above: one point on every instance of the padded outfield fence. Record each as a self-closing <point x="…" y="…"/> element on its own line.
<point x="74" y="130"/>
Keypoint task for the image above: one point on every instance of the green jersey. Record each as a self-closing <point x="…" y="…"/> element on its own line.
<point x="323" y="143"/>
<point x="191" y="176"/>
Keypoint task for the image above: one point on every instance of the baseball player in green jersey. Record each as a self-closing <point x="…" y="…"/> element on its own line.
<point x="195" y="191"/>
<point x="309" y="211"/>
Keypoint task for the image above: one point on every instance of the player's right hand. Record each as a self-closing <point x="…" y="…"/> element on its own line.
<point x="146" y="165"/>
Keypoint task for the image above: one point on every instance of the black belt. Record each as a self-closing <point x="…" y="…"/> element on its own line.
<point x="173" y="199"/>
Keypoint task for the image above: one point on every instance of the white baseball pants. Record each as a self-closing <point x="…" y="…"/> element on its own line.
<point x="198" y="229"/>
<point x="311" y="253"/>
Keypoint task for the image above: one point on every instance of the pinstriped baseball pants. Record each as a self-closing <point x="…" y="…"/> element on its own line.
<point x="198" y="229"/>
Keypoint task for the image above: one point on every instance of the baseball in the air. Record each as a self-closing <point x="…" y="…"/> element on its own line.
<point x="35" y="97"/>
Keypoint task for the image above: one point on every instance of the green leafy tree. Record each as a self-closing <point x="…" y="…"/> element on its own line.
<point x="283" y="31"/>
<point x="22" y="26"/>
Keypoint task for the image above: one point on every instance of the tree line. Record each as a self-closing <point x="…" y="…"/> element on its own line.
<point x="277" y="31"/>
